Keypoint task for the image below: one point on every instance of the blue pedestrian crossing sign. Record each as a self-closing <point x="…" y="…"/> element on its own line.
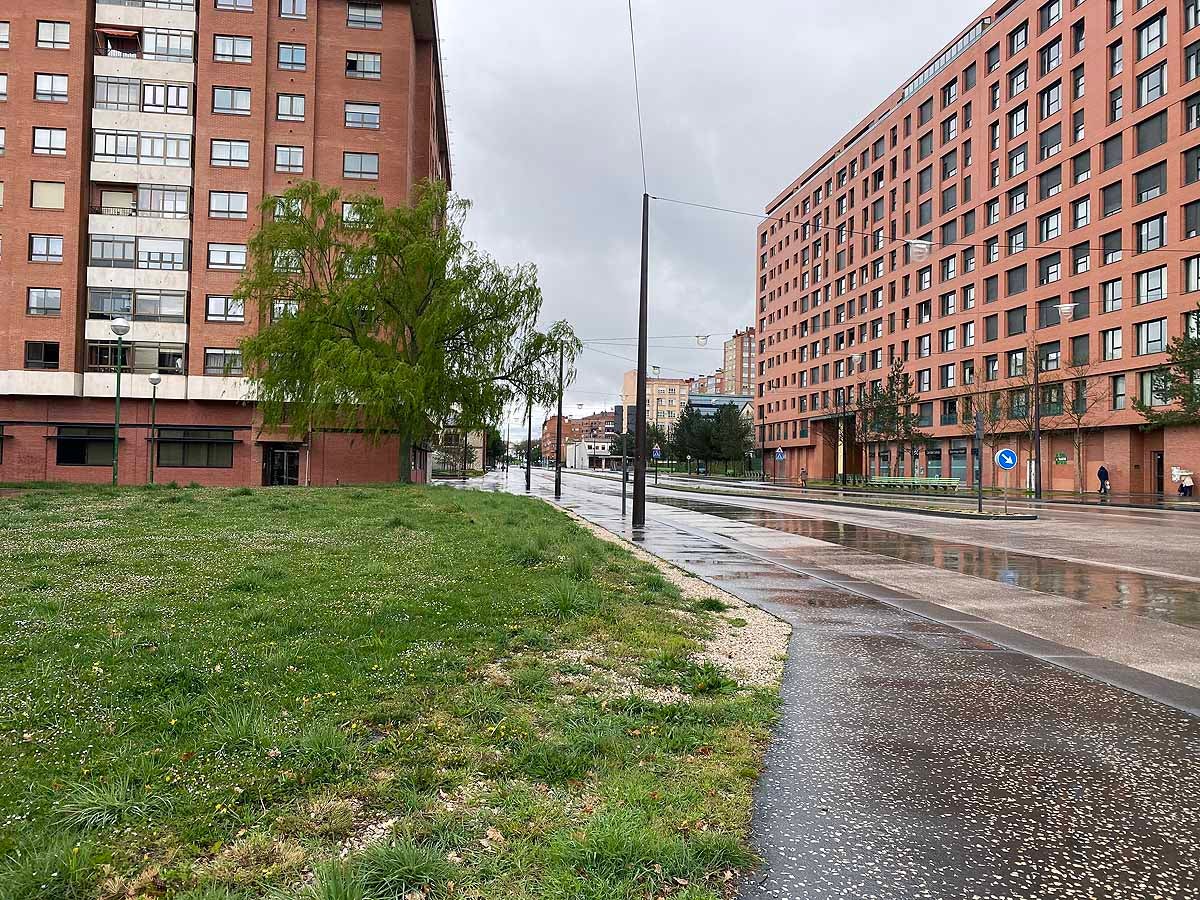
<point x="779" y="454"/>
<point x="656" y="452"/>
<point x="1006" y="459"/>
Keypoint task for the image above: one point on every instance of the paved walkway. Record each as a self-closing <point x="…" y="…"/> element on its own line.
<point x="920" y="758"/>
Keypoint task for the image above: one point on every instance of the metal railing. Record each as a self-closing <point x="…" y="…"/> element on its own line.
<point x="183" y="5"/>
<point x="140" y="213"/>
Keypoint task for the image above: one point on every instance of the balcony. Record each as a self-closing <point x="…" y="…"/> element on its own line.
<point x="949" y="419"/>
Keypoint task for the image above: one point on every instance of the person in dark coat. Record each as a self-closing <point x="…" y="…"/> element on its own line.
<point x="1102" y="474"/>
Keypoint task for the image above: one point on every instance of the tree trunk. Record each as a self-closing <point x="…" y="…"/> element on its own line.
<point x="406" y="447"/>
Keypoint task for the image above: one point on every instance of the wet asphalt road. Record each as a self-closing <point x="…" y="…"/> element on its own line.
<point x="917" y="759"/>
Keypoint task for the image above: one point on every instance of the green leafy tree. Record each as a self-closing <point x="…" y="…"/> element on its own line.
<point x="694" y="435"/>
<point x="1176" y="385"/>
<point x="888" y="413"/>
<point x="388" y="320"/>
<point x="732" y="434"/>
<point x="497" y="449"/>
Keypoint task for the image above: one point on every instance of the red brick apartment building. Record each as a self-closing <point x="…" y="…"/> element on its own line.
<point x="137" y="140"/>
<point x="1048" y="157"/>
<point x="596" y="427"/>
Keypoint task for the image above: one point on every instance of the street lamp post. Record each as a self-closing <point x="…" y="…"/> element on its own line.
<point x="155" y="381"/>
<point x="844" y="404"/>
<point x="1066" y="312"/>
<point x="120" y="327"/>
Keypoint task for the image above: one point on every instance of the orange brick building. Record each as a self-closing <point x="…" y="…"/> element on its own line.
<point x="139" y="139"/>
<point x="1032" y="193"/>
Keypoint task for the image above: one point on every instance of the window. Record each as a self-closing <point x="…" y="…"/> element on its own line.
<point x="362" y="115"/>
<point x="1018" y="80"/>
<point x="1191" y="14"/>
<point x="1078" y="83"/>
<point x="4" y="29"/>
<point x="48" y="195"/>
<point x="1116" y="104"/>
<point x="3" y="86"/>
<point x="168" y="45"/>
<point x="1081" y="259"/>
<point x="1050" y="56"/>
<point x="289" y="159"/>
<point x="227" y="256"/>
<point x="1018" y="39"/>
<point x="82" y="445"/>
<point x="231" y="48"/>
<point x="1116" y="59"/>
<point x="1015" y="363"/>
<point x="1191" y="112"/>
<point x="293" y="9"/>
<point x="1081" y="167"/>
<point x="992" y="59"/>
<point x="364" y="14"/>
<point x="1111" y="291"/>
<point x="293" y="57"/>
<point x="1110" y="199"/>
<point x="289" y="107"/>
<point x="42" y="355"/>
<point x="1081" y="212"/>
<point x="1150" y="183"/>
<point x="1112" y="343"/>
<point x="54" y="35"/>
<point x="1151" y="285"/>
<point x="162" y="253"/>
<point x="230" y="154"/>
<point x="1151" y="336"/>
<point x="360" y="165"/>
<point x="111" y="251"/>
<point x="42" y="301"/>
<point x="1152" y="35"/>
<point x="1152" y="84"/>
<point x="1049" y="14"/>
<point x="224" y="309"/>
<point x="1112" y="152"/>
<point x="1050" y="100"/>
<point x="231" y="101"/>
<point x="1049" y="226"/>
<point x="52" y="88"/>
<point x="1018" y="159"/>
<point x="1191" y="165"/>
<point x="227" y="205"/>
<point x="166" y="98"/>
<point x="1151" y="234"/>
<point x="222" y="362"/>
<point x="1117" y="383"/>
<point x="1049" y="269"/>
<point x="46" y="248"/>
<point x="1191" y="219"/>
<point x="363" y="65"/>
<point x="195" y="448"/>
<point x="1191" y="61"/>
<point x="1018" y="121"/>
<point x="1151" y="132"/>
<point x="1110" y="247"/>
<point x="50" y="141"/>
<point x="1050" y="142"/>
<point x="237" y="5"/>
<point x="1116" y="13"/>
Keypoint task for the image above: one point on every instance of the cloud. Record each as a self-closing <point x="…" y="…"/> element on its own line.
<point x="737" y="101"/>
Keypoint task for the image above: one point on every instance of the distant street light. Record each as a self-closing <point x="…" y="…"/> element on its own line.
<point x="155" y="381"/>
<point x="120" y="327"/>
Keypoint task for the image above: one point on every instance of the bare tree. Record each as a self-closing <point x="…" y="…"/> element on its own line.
<point x="1083" y="407"/>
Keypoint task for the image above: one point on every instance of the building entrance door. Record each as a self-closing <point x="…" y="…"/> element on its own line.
<point x="1157" y="474"/>
<point x="281" y="466"/>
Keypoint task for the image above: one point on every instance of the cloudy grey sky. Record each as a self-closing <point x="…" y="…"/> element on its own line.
<point x="737" y="100"/>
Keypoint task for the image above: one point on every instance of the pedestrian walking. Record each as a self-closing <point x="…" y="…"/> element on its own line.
<point x="1102" y="475"/>
<point x="1188" y="485"/>
<point x="804" y="478"/>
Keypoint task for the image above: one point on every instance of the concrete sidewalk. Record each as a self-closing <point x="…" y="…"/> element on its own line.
<point x="915" y="759"/>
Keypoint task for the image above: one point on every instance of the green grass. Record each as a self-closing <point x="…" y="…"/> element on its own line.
<point x="204" y="693"/>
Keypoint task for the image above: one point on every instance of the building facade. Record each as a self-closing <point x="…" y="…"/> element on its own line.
<point x="1031" y="197"/>
<point x="598" y="428"/>
<point x="138" y="140"/>
<point x="665" y="399"/>
<point x="738" y="370"/>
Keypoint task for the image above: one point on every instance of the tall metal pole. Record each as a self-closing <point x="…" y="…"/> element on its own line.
<point x="1037" y="421"/>
<point x="153" y="430"/>
<point x="624" y="469"/>
<point x="558" y="432"/>
<point x="639" y="443"/>
<point x="117" y="415"/>
<point x="529" y="448"/>
<point x="978" y="459"/>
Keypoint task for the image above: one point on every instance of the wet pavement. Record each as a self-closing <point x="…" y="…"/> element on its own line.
<point x="919" y="757"/>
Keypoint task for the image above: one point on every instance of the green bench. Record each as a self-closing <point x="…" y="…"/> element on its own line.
<point x="913" y="481"/>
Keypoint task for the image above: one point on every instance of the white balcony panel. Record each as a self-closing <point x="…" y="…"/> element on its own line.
<point x="133" y="173"/>
<point x="140" y="226"/>
<point x="141" y="17"/>
<point x="219" y="387"/>
<point x="104" y="384"/>
<point x="146" y="279"/>
<point x="139" y="332"/>
<point x="134" y="120"/>
<point x="41" y="384"/>
<point x="146" y="69"/>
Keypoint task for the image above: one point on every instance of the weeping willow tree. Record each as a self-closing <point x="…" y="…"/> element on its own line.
<point x="388" y="321"/>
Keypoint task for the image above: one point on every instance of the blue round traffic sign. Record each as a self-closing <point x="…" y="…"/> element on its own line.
<point x="1006" y="459"/>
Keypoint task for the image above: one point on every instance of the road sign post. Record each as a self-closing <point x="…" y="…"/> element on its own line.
<point x="656" y="455"/>
<point x="1006" y="459"/>
<point x="780" y="456"/>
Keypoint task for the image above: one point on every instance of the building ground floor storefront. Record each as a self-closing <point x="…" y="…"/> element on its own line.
<point x="1137" y="462"/>
<point x="212" y="444"/>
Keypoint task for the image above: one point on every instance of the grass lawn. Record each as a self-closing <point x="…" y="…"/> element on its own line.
<point x="355" y="694"/>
